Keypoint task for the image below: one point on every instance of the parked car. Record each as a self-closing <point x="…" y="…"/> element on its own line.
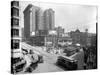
<point x="24" y="51"/>
<point x="67" y="63"/>
<point x="37" y="56"/>
<point x="17" y="63"/>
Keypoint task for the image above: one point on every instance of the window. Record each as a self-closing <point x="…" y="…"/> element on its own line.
<point x="15" y="3"/>
<point x="14" y="12"/>
<point x="15" y="44"/>
<point x="14" y="32"/>
<point x="15" y="22"/>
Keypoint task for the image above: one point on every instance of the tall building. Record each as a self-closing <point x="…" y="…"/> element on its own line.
<point x="40" y="20"/>
<point x="49" y="19"/>
<point x="37" y="23"/>
<point x="32" y="20"/>
<point x="15" y="33"/>
<point x="15" y="26"/>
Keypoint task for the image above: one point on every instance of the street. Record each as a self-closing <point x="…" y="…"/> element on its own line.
<point x="47" y="66"/>
<point x="49" y="61"/>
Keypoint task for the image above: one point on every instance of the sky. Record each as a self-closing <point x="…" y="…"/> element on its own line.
<point x="69" y="16"/>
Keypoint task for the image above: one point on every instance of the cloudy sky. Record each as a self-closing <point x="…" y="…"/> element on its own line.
<point x="69" y="16"/>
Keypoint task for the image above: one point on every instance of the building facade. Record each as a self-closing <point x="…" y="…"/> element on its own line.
<point x="15" y="33"/>
<point x="65" y="39"/>
<point x="49" y="22"/>
<point x="37" y="23"/>
<point x="59" y="30"/>
<point x="31" y="20"/>
<point x="83" y="38"/>
<point x="15" y="26"/>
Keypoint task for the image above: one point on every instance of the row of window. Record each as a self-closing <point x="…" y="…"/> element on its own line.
<point x="14" y="12"/>
<point x="14" y="32"/>
<point x="15" y="3"/>
<point x="14" y="22"/>
<point x="15" y="44"/>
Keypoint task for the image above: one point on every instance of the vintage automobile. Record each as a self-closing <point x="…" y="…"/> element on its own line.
<point x="17" y="63"/>
<point x="40" y="57"/>
<point x="67" y="63"/>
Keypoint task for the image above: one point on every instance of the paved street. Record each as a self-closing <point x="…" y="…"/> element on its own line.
<point x="49" y="61"/>
<point x="47" y="66"/>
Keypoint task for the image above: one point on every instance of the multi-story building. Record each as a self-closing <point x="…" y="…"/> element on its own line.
<point x="37" y="23"/>
<point x="15" y="34"/>
<point x="49" y="22"/>
<point x="15" y="26"/>
<point x="65" y="39"/>
<point x="83" y="38"/>
<point x="30" y="20"/>
<point x="59" y="30"/>
<point x="57" y="37"/>
<point x="33" y="23"/>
